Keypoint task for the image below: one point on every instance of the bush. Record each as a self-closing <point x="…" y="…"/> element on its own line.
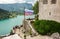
<point x="45" y="27"/>
<point x="11" y="33"/>
<point x="32" y="22"/>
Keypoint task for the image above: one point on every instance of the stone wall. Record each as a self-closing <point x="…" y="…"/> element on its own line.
<point x="49" y="11"/>
<point x="28" y="28"/>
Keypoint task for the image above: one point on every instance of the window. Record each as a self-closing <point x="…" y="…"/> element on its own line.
<point x="49" y="13"/>
<point x="45" y="1"/>
<point x="53" y="1"/>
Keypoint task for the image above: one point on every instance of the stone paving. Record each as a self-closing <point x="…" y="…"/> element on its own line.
<point x="34" y="37"/>
<point x="39" y="37"/>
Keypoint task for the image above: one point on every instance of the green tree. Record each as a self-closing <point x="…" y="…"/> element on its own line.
<point x="36" y="8"/>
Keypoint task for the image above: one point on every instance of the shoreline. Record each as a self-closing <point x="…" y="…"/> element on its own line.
<point x="5" y="35"/>
<point x="13" y="26"/>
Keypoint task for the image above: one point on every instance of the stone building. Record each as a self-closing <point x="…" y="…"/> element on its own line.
<point x="49" y="10"/>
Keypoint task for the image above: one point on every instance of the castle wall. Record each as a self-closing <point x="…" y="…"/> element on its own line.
<point x="49" y="11"/>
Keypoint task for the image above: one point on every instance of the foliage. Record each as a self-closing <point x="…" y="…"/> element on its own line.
<point x="3" y="14"/>
<point x="11" y="33"/>
<point x="36" y="7"/>
<point x="6" y="14"/>
<point x="45" y="27"/>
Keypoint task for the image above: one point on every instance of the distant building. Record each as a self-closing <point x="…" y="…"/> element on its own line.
<point x="49" y="10"/>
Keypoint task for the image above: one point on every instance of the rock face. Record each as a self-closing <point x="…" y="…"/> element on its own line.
<point x="55" y="36"/>
<point x="49" y="10"/>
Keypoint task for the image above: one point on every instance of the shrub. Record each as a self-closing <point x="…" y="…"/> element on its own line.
<point x="45" y="27"/>
<point x="11" y="33"/>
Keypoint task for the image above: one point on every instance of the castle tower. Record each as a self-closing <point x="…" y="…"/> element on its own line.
<point x="49" y="10"/>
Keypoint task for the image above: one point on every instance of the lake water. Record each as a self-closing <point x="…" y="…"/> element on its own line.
<point x="8" y="24"/>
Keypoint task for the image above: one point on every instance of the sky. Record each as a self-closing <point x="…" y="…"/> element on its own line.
<point x="17" y="1"/>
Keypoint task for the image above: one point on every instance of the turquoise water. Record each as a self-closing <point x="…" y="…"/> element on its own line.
<point x="8" y="24"/>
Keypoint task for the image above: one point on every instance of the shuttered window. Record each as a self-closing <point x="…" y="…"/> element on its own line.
<point x="53" y="1"/>
<point x="45" y="1"/>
